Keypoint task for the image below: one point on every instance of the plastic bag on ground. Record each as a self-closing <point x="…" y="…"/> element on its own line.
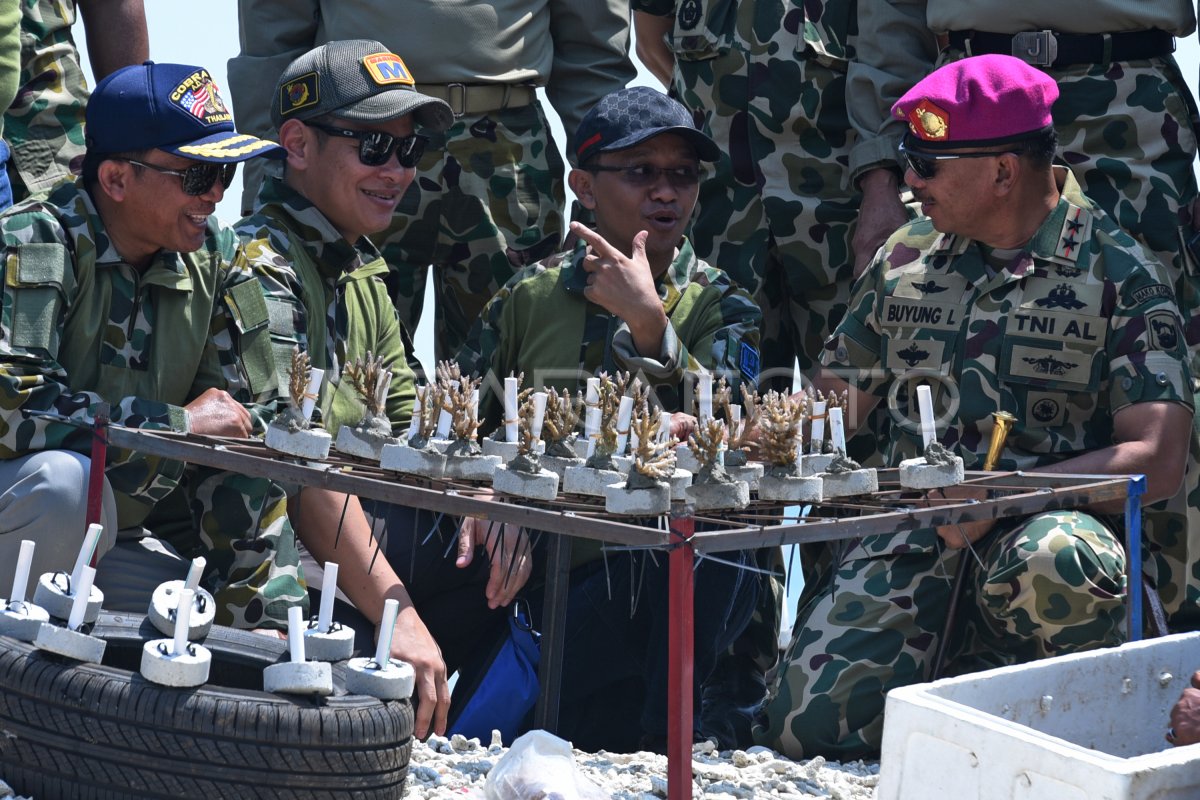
<point x="540" y="766"/>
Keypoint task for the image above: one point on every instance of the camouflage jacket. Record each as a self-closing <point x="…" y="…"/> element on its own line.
<point x="1081" y="324"/>
<point x="44" y="125"/>
<point x="323" y="295"/>
<point x="79" y="327"/>
<point x="541" y="325"/>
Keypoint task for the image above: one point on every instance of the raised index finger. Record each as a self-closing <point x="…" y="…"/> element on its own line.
<point x="598" y="243"/>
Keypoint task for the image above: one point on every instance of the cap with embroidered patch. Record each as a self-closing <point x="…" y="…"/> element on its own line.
<point x="978" y="102"/>
<point x="628" y="116"/>
<point x="172" y="107"/>
<point x="355" y="79"/>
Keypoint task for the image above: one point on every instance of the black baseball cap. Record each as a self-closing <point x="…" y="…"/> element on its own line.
<point x="355" y="79"/>
<point x="628" y="116"/>
<point x="171" y="107"/>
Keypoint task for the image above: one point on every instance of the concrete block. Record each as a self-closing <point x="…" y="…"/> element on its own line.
<point x="471" y="468"/>
<point x="336" y="644"/>
<point x="394" y="682"/>
<point x="299" y="677"/>
<point x="655" y="500"/>
<point x="580" y="445"/>
<point x="362" y="444"/>
<point x="680" y="480"/>
<point x="161" y="666"/>
<point x="559" y="465"/>
<point x="585" y="480"/>
<point x="845" y="484"/>
<point x="624" y="463"/>
<point x="790" y="489"/>
<point x="506" y="450"/>
<point x="815" y="464"/>
<point x="312" y="444"/>
<point x="1077" y="727"/>
<point x="402" y="458"/>
<point x="916" y="473"/>
<point x="713" y="496"/>
<point x="21" y="620"/>
<point x="542" y="485"/>
<point x="69" y="643"/>
<point x="51" y="594"/>
<point x="164" y="604"/>
<point x="750" y="473"/>
<point x="686" y="459"/>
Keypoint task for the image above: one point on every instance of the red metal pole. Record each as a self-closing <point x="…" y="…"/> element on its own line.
<point x="680" y="659"/>
<point x="95" y="498"/>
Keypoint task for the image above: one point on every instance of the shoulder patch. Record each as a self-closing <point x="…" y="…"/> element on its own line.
<point x="386" y="68"/>
<point x="748" y="362"/>
<point x="1152" y="292"/>
<point x="1162" y="326"/>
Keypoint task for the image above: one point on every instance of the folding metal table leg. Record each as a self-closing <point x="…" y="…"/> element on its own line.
<point x="681" y="659"/>
<point x="554" y="625"/>
<point x="95" y="489"/>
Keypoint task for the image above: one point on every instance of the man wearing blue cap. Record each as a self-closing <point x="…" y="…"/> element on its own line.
<point x="92" y="274"/>
<point x="631" y="296"/>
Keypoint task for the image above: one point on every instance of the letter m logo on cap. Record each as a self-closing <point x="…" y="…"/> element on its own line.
<point x="387" y="68"/>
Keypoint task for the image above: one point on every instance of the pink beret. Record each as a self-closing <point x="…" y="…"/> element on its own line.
<point x="978" y="101"/>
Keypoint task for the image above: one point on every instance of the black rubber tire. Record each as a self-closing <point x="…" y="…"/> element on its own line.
<point x="102" y="731"/>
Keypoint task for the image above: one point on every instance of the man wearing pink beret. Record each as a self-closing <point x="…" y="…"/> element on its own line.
<point x="1013" y="293"/>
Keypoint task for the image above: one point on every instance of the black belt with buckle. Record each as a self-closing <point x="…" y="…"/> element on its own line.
<point x="1051" y="49"/>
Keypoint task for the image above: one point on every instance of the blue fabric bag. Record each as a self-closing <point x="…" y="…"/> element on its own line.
<point x="508" y="685"/>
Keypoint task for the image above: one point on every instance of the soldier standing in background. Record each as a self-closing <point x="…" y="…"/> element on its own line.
<point x="488" y="197"/>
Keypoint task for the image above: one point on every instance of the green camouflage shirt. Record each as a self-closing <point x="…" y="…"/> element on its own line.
<point x="1080" y="325"/>
<point x="79" y="326"/>
<point x="44" y="125"/>
<point x="539" y="323"/>
<point x="323" y="295"/>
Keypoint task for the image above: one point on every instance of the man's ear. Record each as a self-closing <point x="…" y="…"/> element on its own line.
<point x="114" y="177"/>
<point x="299" y="141"/>
<point x="1008" y="170"/>
<point x="580" y="181"/>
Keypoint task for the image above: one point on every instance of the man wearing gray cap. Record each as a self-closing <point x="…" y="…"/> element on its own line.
<point x="347" y="112"/>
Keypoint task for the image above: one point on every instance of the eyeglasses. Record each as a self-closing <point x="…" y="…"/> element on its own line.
<point x="644" y="175"/>
<point x="198" y="179"/>
<point x="925" y="165"/>
<point x="376" y="147"/>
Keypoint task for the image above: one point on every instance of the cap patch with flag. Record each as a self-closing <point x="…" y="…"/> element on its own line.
<point x="386" y="68"/>
<point x="197" y="94"/>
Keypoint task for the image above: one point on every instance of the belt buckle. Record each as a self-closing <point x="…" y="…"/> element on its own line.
<point x="461" y="109"/>
<point x="1038" y="48"/>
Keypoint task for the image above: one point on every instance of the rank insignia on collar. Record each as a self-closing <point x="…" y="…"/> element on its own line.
<point x="299" y="93"/>
<point x="929" y="122"/>
<point x="386" y="68"/>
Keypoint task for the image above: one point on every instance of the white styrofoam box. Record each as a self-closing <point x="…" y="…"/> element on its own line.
<point x="1088" y="726"/>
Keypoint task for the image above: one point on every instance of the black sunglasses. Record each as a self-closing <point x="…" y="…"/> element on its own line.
<point x="924" y="164"/>
<point x="643" y="175"/>
<point x="376" y="147"/>
<point x="198" y="179"/>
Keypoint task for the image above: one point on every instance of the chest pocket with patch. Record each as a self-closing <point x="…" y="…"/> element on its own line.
<point x="1054" y="355"/>
<point x="35" y="289"/>
<point x="919" y="334"/>
<point x="248" y="309"/>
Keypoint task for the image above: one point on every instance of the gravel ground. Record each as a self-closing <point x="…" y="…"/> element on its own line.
<point x="457" y="768"/>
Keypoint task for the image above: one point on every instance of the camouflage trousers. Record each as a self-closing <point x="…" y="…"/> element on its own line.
<point x="488" y="199"/>
<point x="240" y="526"/>
<point x="1127" y="132"/>
<point x="1045" y="585"/>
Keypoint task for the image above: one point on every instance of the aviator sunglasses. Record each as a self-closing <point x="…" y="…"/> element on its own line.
<point x="643" y="175"/>
<point x="925" y="164"/>
<point x="197" y="179"/>
<point x="376" y="147"/>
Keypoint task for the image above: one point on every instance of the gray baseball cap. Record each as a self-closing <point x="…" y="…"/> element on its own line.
<point x="356" y="79"/>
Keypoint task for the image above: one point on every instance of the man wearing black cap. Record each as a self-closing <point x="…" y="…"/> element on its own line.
<point x="632" y="297"/>
<point x="92" y="274"/>
<point x="347" y="114"/>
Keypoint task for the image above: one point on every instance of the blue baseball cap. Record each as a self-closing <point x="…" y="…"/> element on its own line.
<point x="171" y="107"/>
<point x="628" y="116"/>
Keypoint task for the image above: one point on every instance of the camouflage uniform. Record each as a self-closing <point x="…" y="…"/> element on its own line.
<point x="10" y="68"/>
<point x="713" y="326"/>
<point x="1081" y="324"/>
<point x="488" y="196"/>
<point x="1126" y="129"/>
<point x="324" y="296"/>
<point x="80" y="327"/>
<point x="44" y="125"/>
